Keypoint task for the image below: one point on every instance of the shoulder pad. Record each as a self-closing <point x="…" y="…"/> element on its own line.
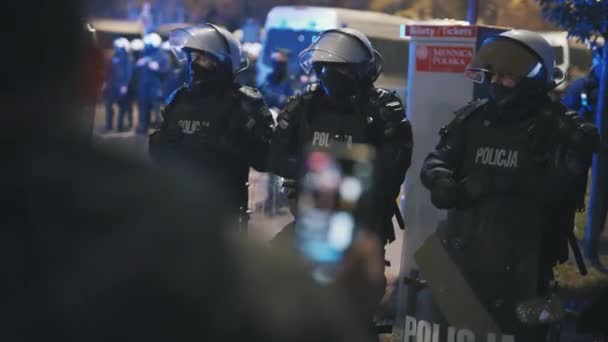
<point x="382" y="94"/>
<point x="175" y="95"/>
<point x="250" y="93"/>
<point x="470" y="108"/>
<point x="386" y="97"/>
<point x="310" y="90"/>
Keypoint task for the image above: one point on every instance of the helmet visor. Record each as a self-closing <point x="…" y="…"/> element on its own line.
<point x="309" y="57"/>
<point x="177" y="41"/>
<point x="475" y="75"/>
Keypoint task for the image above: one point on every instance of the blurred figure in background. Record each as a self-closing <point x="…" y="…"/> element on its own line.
<point x="276" y="90"/>
<point x="278" y="85"/>
<point x="137" y="52"/>
<point x="116" y="88"/>
<point x="153" y="67"/>
<point x="582" y="96"/>
<point x="146" y="18"/>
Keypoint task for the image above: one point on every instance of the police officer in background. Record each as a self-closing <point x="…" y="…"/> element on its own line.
<point x="277" y="87"/>
<point x="508" y="169"/>
<point x="153" y="67"/>
<point x="137" y="47"/>
<point x="119" y="74"/>
<point x="345" y="107"/>
<point x="582" y="96"/>
<point x="214" y="122"/>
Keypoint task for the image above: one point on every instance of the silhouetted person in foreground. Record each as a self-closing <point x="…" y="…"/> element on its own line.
<point x="96" y="247"/>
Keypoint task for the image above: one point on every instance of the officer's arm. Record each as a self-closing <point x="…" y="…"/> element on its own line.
<point x="282" y="159"/>
<point x="258" y="127"/>
<point x="438" y="169"/>
<point x="164" y="138"/>
<point x="578" y="140"/>
<point x="393" y="161"/>
<point x="396" y="149"/>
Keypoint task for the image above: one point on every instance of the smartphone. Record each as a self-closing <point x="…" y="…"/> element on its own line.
<point x="333" y="201"/>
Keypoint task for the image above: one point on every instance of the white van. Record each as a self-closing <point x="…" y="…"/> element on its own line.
<point x="296" y="27"/>
<point x="572" y="56"/>
<point x="560" y="43"/>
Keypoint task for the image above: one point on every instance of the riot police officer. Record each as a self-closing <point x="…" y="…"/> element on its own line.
<point x="152" y="69"/>
<point x="345" y="107"/>
<point x="116" y="87"/>
<point x="214" y="122"/>
<point x="508" y="169"/>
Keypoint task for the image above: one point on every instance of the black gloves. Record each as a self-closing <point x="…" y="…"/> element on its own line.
<point x="447" y="193"/>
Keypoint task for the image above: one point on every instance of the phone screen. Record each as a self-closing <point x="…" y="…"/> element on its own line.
<point x="333" y="200"/>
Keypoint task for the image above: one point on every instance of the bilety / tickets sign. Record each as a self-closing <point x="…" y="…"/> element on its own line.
<point x="430" y="31"/>
<point x="443" y="58"/>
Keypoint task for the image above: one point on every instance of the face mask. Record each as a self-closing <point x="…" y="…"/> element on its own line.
<point x="201" y="75"/>
<point x="501" y="94"/>
<point x="279" y="68"/>
<point x="337" y="83"/>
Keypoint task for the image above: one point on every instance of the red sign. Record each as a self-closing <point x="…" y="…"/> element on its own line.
<point x="443" y="58"/>
<point x="441" y="31"/>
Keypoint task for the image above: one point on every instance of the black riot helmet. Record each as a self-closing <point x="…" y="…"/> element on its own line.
<point x="221" y="52"/>
<point x="523" y="55"/>
<point x="122" y="45"/>
<point x="343" y="59"/>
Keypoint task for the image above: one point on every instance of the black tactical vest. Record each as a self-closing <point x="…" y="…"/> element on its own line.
<point x="325" y="124"/>
<point x="209" y="125"/>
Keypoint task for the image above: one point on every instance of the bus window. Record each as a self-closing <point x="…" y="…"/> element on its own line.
<point x="395" y="54"/>
<point x="559" y="55"/>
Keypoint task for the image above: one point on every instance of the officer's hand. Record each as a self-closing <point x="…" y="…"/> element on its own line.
<point x="586" y="138"/>
<point x="445" y="194"/>
<point x="290" y="187"/>
<point x="361" y="276"/>
<point x="392" y="114"/>
<point x="123" y="90"/>
<point x="153" y="65"/>
<point x="259" y="120"/>
<point x="141" y="61"/>
<point x="471" y="189"/>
